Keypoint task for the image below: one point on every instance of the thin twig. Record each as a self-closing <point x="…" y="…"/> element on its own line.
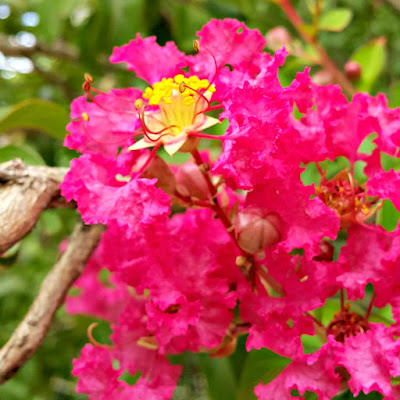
<point x="58" y="50"/>
<point x="30" y="333"/>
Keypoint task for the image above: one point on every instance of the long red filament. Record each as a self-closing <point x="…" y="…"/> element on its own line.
<point x="151" y="156"/>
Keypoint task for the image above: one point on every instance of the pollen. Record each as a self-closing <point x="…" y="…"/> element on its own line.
<point x="189" y="88"/>
<point x="138" y="104"/>
<point x="85" y="116"/>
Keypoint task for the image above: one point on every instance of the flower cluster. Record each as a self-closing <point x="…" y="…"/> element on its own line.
<point x="203" y="252"/>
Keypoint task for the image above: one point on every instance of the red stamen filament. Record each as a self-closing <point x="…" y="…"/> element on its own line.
<point x="151" y="156"/>
<point x="371" y="303"/>
<point x="205" y="136"/>
<point x="147" y="131"/>
<point x="105" y="108"/>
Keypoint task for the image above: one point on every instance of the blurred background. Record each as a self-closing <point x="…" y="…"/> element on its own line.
<point x="46" y="46"/>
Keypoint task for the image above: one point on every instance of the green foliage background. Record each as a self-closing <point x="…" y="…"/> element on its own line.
<point x="87" y="30"/>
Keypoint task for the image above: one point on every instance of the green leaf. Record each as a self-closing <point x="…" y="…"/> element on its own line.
<point x="371" y="58"/>
<point x="388" y="216"/>
<point x="220" y="377"/>
<point x="26" y="153"/>
<point x="260" y="366"/>
<point x="40" y="115"/>
<point x="335" y="20"/>
<point x="394" y="94"/>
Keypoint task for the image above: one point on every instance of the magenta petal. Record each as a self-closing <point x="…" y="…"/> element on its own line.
<point x="149" y="60"/>
<point x="101" y="198"/>
<point x="386" y="185"/>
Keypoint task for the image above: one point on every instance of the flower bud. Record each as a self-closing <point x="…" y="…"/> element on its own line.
<point x="191" y="182"/>
<point x="278" y="37"/>
<point x="352" y="69"/>
<point x="159" y="169"/>
<point x="255" y="231"/>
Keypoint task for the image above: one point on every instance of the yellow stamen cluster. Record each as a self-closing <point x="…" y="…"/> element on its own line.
<point x="179" y="85"/>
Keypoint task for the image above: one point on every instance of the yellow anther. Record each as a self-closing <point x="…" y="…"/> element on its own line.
<point x="365" y="209"/>
<point x="138" y="104"/>
<point x="166" y="90"/>
<point x="357" y="201"/>
<point x="148" y="93"/>
<point x="179" y="78"/>
<point x="85" y="116"/>
<point x="182" y="87"/>
<point x="188" y="100"/>
<point x="241" y="261"/>
<point x="154" y="100"/>
<point x="341" y="189"/>
<point x="88" y="78"/>
<point x="196" y="45"/>
<point x="148" y="342"/>
<point x="167" y="100"/>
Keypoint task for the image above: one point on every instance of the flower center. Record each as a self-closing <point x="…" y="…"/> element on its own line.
<point x="347" y="323"/>
<point x="181" y="101"/>
<point x="176" y="111"/>
<point x="347" y="198"/>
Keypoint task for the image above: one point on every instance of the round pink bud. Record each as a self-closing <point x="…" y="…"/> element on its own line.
<point x="159" y="169"/>
<point x="278" y="37"/>
<point x="352" y="69"/>
<point x="191" y="182"/>
<point x="256" y="231"/>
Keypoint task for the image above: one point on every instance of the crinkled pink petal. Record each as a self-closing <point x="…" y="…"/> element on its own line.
<point x="388" y="123"/>
<point x="155" y="367"/>
<point x="97" y="378"/>
<point x="230" y="42"/>
<point x="149" y="60"/>
<point x="371" y="359"/>
<point x="190" y="305"/>
<point x="304" y="220"/>
<point x="314" y="373"/>
<point x="101" y="198"/>
<point x="100" y="381"/>
<point x="361" y="259"/>
<point x="386" y="185"/>
<point x="105" y="126"/>
<point x="279" y="322"/>
<point x="280" y="333"/>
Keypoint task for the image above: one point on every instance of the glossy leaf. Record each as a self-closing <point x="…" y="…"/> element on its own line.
<point x="371" y="58"/>
<point x="26" y="153"/>
<point x="335" y="20"/>
<point x="260" y="366"/>
<point x="39" y="115"/>
<point x="220" y="377"/>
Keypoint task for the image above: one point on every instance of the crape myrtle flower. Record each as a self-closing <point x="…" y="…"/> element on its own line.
<point x="252" y="237"/>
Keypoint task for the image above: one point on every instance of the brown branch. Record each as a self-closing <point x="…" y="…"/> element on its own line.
<point x="25" y="192"/>
<point x="394" y="3"/>
<point x="31" y="331"/>
<point x="57" y="50"/>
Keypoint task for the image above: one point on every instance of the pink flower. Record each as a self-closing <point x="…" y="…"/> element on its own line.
<point x="102" y="198"/>
<point x="140" y="55"/>
<point x="104" y="126"/>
